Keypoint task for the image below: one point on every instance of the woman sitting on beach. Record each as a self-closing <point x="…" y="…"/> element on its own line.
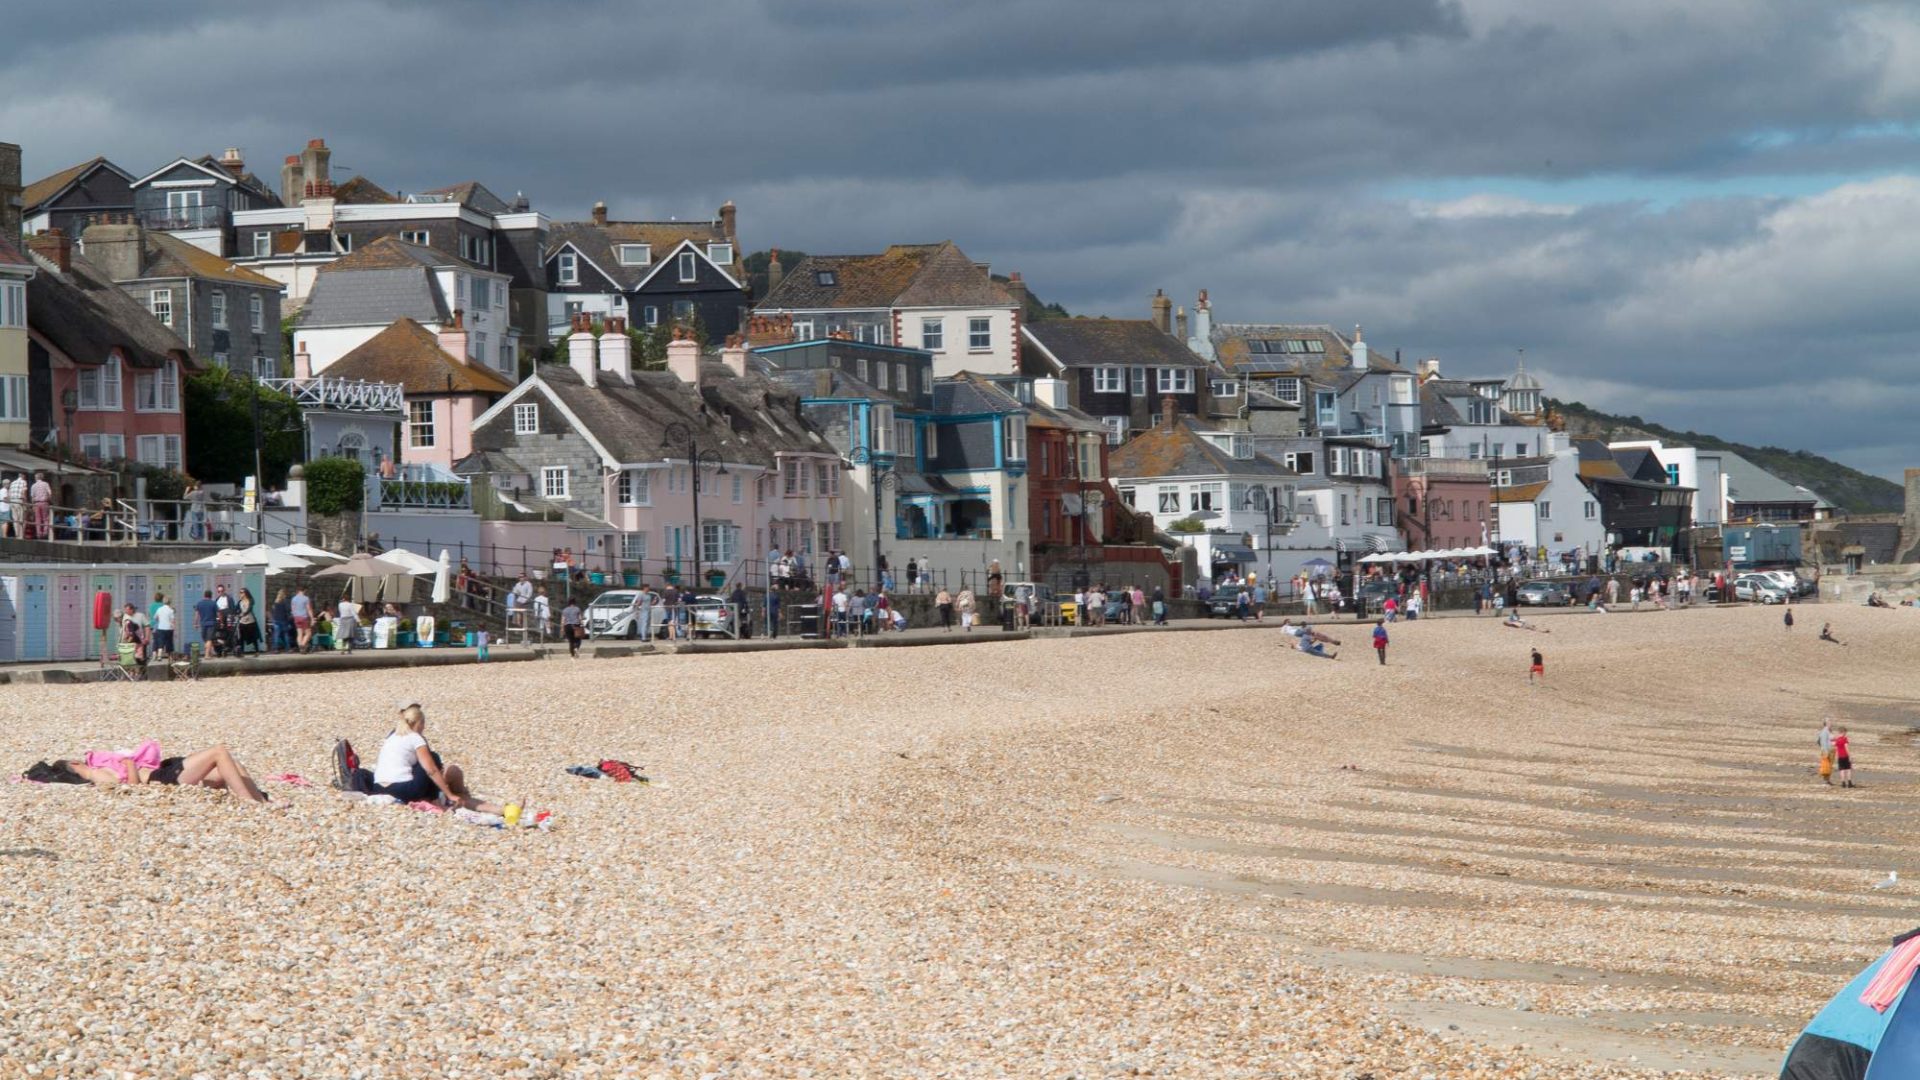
<point x="1516" y="622"/>
<point x="212" y="768"/>
<point x="411" y="771"/>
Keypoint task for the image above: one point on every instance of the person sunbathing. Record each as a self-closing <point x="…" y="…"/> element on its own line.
<point x="1306" y="640"/>
<point x="211" y="768"/>
<point x="408" y="768"/>
<point x="1516" y="622"/>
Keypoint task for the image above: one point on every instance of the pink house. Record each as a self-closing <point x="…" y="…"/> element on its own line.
<point x="444" y="392"/>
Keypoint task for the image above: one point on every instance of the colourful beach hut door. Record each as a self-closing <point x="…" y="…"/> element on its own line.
<point x="36" y="629"/>
<point x="186" y="622"/>
<point x="72" y="620"/>
<point x="9" y="618"/>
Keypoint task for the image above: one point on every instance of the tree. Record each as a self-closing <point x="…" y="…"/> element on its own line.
<point x="219" y="414"/>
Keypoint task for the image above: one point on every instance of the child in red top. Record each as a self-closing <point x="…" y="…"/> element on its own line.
<point x="1842" y="760"/>
<point x="1537" y="669"/>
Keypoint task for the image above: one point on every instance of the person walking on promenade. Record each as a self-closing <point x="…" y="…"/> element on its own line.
<point x="1843" y="757"/>
<point x="943" y="600"/>
<point x="571" y="628"/>
<point x="346" y="621"/>
<point x="301" y="610"/>
<point x="1824" y="741"/>
<point x="248" y="620"/>
<point x="964" y="605"/>
<point x="1159" y="606"/>
<point x="543" y="614"/>
<point x="1380" y="640"/>
<point x="1537" y="668"/>
<point x="42" y="495"/>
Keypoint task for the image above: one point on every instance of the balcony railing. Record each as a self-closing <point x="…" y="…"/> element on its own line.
<point x="419" y="489"/>
<point x="344" y="395"/>
<point x="1448" y="468"/>
<point x="166" y="218"/>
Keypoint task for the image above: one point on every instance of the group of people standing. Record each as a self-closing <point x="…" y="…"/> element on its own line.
<point x="26" y="508"/>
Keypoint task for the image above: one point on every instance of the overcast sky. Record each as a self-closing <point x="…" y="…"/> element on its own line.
<point x="1704" y="213"/>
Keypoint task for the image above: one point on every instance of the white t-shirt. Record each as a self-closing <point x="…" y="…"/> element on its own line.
<point x="348" y="609"/>
<point x="163" y="617"/>
<point x="397" y="757"/>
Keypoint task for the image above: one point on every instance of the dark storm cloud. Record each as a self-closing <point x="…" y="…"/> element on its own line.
<point x="1108" y="148"/>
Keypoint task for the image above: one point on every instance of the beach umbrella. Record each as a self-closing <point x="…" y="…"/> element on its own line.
<point x="442" y="587"/>
<point x="415" y="564"/>
<point x="276" y="562"/>
<point x="1869" y="1031"/>
<point x="366" y="575"/>
<point x="1316" y="567"/>
<point x="311" y="553"/>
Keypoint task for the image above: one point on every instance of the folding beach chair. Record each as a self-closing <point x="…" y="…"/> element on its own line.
<point x="128" y="665"/>
<point x="187" y="667"/>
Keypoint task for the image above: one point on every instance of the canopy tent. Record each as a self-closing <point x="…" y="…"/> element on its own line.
<point x="311" y="553"/>
<point x="1850" y="1039"/>
<point x="416" y="564"/>
<point x="368" y="576"/>
<point x="1316" y="567"/>
<point x="258" y="555"/>
<point x="1425" y="556"/>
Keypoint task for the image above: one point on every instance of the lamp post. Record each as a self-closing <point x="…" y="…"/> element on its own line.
<point x="1080" y="489"/>
<point x="883" y="478"/>
<point x="679" y="436"/>
<point x="69" y="404"/>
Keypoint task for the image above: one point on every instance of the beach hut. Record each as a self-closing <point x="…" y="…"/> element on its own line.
<point x="1869" y="1031"/>
<point x="46" y="609"/>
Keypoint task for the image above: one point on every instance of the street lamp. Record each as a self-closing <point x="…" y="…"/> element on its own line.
<point x="884" y="478"/>
<point x="679" y="436"/>
<point x="69" y="404"/>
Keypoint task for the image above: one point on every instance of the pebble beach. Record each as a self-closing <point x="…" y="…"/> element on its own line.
<point x="1178" y="854"/>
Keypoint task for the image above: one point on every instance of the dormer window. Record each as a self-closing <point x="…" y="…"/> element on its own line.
<point x="825" y="277"/>
<point x="636" y="254"/>
<point x="567" y="268"/>
<point x="720" y="254"/>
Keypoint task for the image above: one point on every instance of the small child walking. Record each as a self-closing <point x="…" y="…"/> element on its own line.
<point x="1789" y="618"/>
<point x="1537" y="669"/>
<point x="1843" y="758"/>
<point x="1380" y="638"/>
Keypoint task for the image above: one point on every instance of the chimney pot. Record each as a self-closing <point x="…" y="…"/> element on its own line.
<point x="302" y="363"/>
<point x="599" y="213"/>
<point x="1169" y="411"/>
<point x="54" y="246"/>
<point x="1162" y="307"/>
<point x="683" y="357"/>
<point x="583" y="350"/>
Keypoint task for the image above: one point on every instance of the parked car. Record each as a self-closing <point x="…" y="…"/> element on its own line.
<point x="607" y="614"/>
<point x="1225" y="602"/>
<point x="1544" y="594"/>
<point x="711" y="616"/>
<point x="1758" y="587"/>
<point x="1791" y="583"/>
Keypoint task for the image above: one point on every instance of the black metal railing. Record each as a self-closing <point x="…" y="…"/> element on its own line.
<point x="183" y="217"/>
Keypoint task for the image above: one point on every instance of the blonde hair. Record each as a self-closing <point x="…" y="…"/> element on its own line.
<point x="414" y="717"/>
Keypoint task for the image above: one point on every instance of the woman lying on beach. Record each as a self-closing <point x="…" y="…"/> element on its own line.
<point x="408" y="769"/>
<point x="212" y="768"/>
<point x="1516" y="622"/>
<point x="1308" y="640"/>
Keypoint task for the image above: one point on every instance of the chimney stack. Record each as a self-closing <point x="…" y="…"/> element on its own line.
<point x="453" y="336"/>
<point x="727" y="212"/>
<point x="292" y="183"/>
<point x="1202" y="326"/>
<point x="769" y="330"/>
<point x="581" y="350"/>
<point x="118" y="250"/>
<point x="231" y="161"/>
<point x="616" y="350"/>
<point x="1017" y="288"/>
<point x="1180" y="323"/>
<point x="10" y="191"/>
<point x="1169" y="411"/>
<point x="54" y="246"/>
<point x="774" y="271"/>
<point x="1161" y="307"/>
<point x="683" y="357"/>
<point x="599" y="213"/>
<point x="302" y="363"/>
<point x="1359" y="349"/>
<point x="1429" y="368"/>
<point x="734" y="355"/>
<point x="314" y="169"/>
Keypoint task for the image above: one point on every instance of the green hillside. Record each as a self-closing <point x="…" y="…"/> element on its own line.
<point x="1848" y="488"/>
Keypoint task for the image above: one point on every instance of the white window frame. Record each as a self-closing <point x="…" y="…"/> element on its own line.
<point x="107" y="387"/>
<point x="633" y="547"/>
<point x="719" y="543"/>
<point x="555" y="482"/>
<point x="634" y="488"/>
<point x="1167" y="499"/>
<point x="1116" y="429"/>
<point x="256" y="313"/>
<point x="636" y="254"/>
<point x="739" y="488"/>
<point x="933" y="334"/>
<point x="217" y="308"/>
<point x="262" y="244"/>
<point x="1546" y="509"/>
<point x="566" y="266"/>
<point x="421" y="435"/>
<point x="526" y="418"/>
<point x="13" y="399"/>
<point x="160" y="302"/>
<point x="720" y="254"/>
<point x="880" y="373"/>
<point x="1589" y="510"/>
<point x="157" y="391"/>
<point x="1224" y="388"/>
<point x="1175" y="380"/>
<point x="688" y="268"/>
<point x="101" y="441"/>
<point x="424" y="238"/>
<point x="979" y="334"/>
<point x="903" y="436"/>
<point x="1015" y="430"/>
<point x="1287" y="390"/>
<point x="1109" y="380"/>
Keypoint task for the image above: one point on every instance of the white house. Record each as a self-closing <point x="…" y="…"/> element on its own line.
<point x="364" y="293"/>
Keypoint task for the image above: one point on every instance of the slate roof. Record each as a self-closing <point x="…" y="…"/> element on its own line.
<point x="1180" y="451"/>
<point x="744" y="421"/>
<point x="248" y="181"/>
<point x="361" y="191"/>
<point x="968" y="395"/>
<point x="385" y="281"/>
<point x="48" y="187"/>
<point x="86" y="316"/>
<point x="827" y="382"/>
<point x="1080" y="343"/>
<point x="166" y="255"/>
<point x="409" y="354"/>
<point x="472" y="194"/>
<point x="1231" y="346"/>
<point x="597" y="243"/>
<point x="904" y="275"/>
<point x="1749" y="483"/>
<point x="1639" y="463"/>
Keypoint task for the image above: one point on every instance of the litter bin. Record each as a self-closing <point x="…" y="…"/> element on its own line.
<point x="1006" y="616"/>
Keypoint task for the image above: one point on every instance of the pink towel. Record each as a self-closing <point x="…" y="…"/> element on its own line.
<point x="429" y="807"/>
<point x="147" y="757"/>
<point x="294" y="779"/>
<point x="1893" y="977"/>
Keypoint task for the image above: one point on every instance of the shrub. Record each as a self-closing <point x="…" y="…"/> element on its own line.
<point x="335" y="485"/>
<point x="1187" y="525"/>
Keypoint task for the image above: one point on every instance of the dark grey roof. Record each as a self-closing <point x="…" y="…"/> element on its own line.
<point x="1095" y="342"/>
<point x="746" y="421"/>
<point x="904" y="275"/>
<point x="374" y="298"/>
<point x="1749" y="483"/>
<point x="963" y="396"/>
<point x="86" y="316"/>
<point x="1181" y="451"/>
<point x="599" y="244"/>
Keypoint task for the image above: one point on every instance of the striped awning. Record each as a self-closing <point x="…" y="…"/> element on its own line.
<point x="1340" y="544"/>
<point x="1376" y="543"/>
